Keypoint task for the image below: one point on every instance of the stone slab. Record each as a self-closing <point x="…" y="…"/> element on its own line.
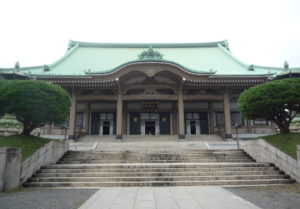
<point x="166" y="198"/>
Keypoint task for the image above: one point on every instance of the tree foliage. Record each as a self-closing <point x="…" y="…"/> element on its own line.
<point x="35" y="103"/>
<point x="277" y="101"/>
<point x="2" y="81"/>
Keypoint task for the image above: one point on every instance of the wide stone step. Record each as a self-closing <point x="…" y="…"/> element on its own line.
<point x="164" y="178"/>
<point x="160" y="166"/>
<point x="154" y="152"/>
<point x="137" y="160"/>
<point x="141" y="150"/>
<point x="155" y="170"/>
<point x="154" y="161"/>
<point x="129" y="174"/>
<point x="152" y="158"/>
<point x="160" y="183"/>
<point x="157" y="167"/>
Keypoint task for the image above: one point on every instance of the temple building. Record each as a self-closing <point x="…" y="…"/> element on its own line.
<point x="153" y="89"/>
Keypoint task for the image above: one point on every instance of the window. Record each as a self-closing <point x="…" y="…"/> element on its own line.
<point x="235" y="117"/>
<point x="151" y="116"/>
<point x="110" y="116"/>
<point x="260" y="122"/>
<point x="191" y="116"/>
<point x="102" y="116"/>
<point x="106" y="116"/>
<point x="154" y="116"/>
<point x="196" y="116"/>
<point x="144" y="116"/>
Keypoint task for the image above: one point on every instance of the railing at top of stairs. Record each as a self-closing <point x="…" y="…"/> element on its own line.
<point x="221" y="133"/>
<point x="78" y="134"/>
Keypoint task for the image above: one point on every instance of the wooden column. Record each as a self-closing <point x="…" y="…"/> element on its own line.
<point x="124" y="123"/>
<point x="181" y="111"/>
<point x="87" y="118"/>
<point x="119" y="117"/>
<point x="174" y="118"/>
<point x="211" y="118"/>
<point x="72" y="120"/>
<point x="119" y="111"/>
<point x="227" y="120"/>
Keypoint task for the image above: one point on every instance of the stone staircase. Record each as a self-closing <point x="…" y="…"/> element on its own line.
<point x="117" y="168"/>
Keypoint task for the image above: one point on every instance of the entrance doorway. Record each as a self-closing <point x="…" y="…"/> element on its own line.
<point x="103" y="124"/>
<point x="150" y="127"/>
<point x="149" y="123"/>
<point x="106" y="127"/>
<point x="193" y="127"/>
<point x="196" y="123"/>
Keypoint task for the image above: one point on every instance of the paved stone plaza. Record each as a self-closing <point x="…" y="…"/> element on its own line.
<point x="166" y="198"/>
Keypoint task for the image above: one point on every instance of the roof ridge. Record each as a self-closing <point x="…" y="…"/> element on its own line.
<point x="70" y="51"/>
<point x="224" y="43"/>
<point x="233" y="57"/>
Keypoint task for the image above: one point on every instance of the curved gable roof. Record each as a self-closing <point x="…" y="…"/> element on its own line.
<point x="84" y="58"/>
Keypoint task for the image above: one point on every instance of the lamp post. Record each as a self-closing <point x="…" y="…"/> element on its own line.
<point x="237" y="134"/>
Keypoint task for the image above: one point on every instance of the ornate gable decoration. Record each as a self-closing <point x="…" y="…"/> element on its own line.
<point x="150" y="54"/>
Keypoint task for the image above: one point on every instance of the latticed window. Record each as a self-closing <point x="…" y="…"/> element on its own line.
<point x="79" y="121"/>
<point x="235" y="118"/>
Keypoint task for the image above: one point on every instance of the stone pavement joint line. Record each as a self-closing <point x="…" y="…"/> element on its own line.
<point x="165" y="198"/>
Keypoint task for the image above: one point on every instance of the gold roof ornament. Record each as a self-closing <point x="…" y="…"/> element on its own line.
<point x="286" y="65"/>
<point x="17" y="65"/>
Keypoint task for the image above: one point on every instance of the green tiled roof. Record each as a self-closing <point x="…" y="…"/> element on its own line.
<point x="84" y="59"/>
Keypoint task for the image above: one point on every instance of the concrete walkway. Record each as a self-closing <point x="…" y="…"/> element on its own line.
<point x="165" y="198"/>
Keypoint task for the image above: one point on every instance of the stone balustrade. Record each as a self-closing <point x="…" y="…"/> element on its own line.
<point x="262" y="151"/>
<point x="13" y="173"/>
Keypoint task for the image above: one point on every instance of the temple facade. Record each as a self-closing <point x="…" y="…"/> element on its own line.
<point x="153" y="89"/>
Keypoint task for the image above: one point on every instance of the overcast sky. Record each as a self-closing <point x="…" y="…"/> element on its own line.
<point x="260" y="32"/>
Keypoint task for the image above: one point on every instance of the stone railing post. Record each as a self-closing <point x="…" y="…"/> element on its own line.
<point x="10" y="168"/>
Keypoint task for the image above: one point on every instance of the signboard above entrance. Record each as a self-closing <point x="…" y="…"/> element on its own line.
<point x="149" y="105"/>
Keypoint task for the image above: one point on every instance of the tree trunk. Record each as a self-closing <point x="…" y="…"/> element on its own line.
<point x="28" y="127"/>
<point x="284" y="128"/>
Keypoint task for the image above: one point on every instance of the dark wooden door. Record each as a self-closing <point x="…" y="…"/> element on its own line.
<point x="95" y="124"/>
<point x="164" y="123"/>
<point x="135" y="124"/>
<point x="204" y="123"/>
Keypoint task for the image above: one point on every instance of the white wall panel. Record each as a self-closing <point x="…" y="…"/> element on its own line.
<point x="134" y="106"/>
<point x="103" y="106"/>
<point x="195" y="105"/>
<point x="81" y="106"/>
<point x="164" y="105"/>
<point x="217" y="105"/>
<point x="233" y="106"/>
